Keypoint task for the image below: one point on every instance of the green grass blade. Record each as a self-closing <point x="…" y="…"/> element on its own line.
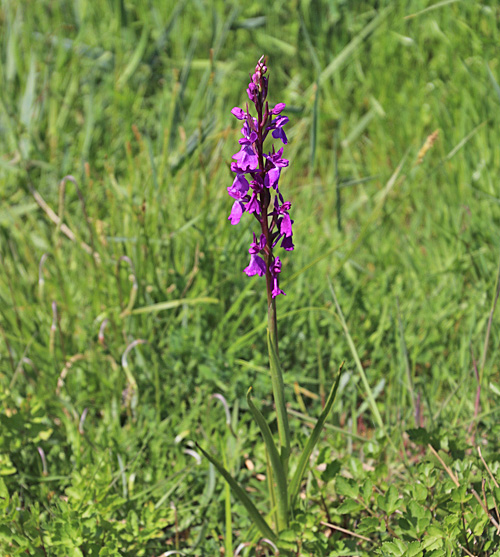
<point x="359" y="128"/>
<point x="314" y="130"/>
<point x="430" y="8"/>
<point x="239" y="492"/>
<point x="28" y="99"/>
<point x="154" y="308"/>
<point x="493" y="81"/>
<point x="349" y="49"/>
<point x="364" y="380"/>
<point x="250" y="23"/>
<point x="405" y="359"/>
<point x="276" y="464"/>
<point x="309" y="44"/>
<point x="355" y="182"/>
<point x="311" y="442"/>
<point x="136" y="58"/>
<point x="465" y="140"/>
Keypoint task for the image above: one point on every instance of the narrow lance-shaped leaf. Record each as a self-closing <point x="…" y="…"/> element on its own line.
<point x="313" y="439"/>
<point x="239" y="492"/>
<point x="276" y="464"/>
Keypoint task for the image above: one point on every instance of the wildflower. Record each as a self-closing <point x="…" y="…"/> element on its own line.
<point x="256" y="186"/>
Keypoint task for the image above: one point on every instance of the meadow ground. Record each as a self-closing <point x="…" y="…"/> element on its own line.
<point x="133" y="99"/>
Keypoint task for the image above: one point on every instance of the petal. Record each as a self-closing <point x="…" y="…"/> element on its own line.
<point x="239" y="188"/>
<point x="280" y="134"/>
<point x="248" y="139"/>
<point x="253" y="206"/>
<point x="246" y="158"/>
<point x="286" y="225"/>
<point x="239" y="113"/>
<point x="276" y="267"/>
<point x="236" y="212"/>
<point x="276" y="291"/>
<point x="280" y="121"/>
<point x="262" y="241"/>
<point x="287" y="243"/>
<point x="236" y="169"/>
<point x="278" y="108"/>
<point x="257" y="247"/>
<point x="257" y="266"/>
<point x="272" y="177"/>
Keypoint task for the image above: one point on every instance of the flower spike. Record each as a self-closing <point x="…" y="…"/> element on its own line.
<point x="255" y="188"/>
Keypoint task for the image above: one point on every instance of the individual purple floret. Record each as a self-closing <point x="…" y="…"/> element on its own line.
<point x="255" y="189"/>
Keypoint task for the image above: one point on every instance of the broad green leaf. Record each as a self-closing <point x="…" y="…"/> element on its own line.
<point x="369" y="525"/>
<point x="346" y="487"/>
<point x="395" y="548"/>
<point x="349" y="506"/>
<point x="390" y="501"/>
<point x="414" y="550"/>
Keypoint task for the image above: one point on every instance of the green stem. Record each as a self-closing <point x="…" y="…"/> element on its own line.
<point x="275" y="472"/>
<point x="278" y="387"/>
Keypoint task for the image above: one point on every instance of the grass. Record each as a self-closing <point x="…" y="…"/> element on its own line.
<point x="132" y="99"/>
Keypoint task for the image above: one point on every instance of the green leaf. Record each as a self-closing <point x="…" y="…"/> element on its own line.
<point x="432" y="542"/>
<point x="239" y="492"/>
<point x="390" y="501"/>
<point x="414" y="550"/>
<point x="460" y="495"/>
<point x="4" y="495"/>
<point x="311" y="442"/>
<point x="331" y="470"/>
<point x="396" y="548"/>
<point x="419" y="492"/>
<point x="346" y="487"/>
<point x="496" y="491"/>
<point x="367" y="490"/>
<point x="419" y="435"/>
<point x="276" y="464"/>
<point x="368" y="525"/>
<point x="288" y="540"/>
<point x="349" y="506"/>
<point x="6" y="466"/>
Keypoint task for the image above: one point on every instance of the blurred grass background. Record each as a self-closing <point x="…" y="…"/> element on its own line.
<point x="132" y="99"/>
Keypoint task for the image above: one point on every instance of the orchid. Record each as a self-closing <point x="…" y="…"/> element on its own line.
<point x="255" y="190"/>
<point x="257" y="180"/>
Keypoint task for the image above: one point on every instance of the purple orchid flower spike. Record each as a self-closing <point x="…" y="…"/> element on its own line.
<point x="258" y="167"/>
<point x="255" y="188"/>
